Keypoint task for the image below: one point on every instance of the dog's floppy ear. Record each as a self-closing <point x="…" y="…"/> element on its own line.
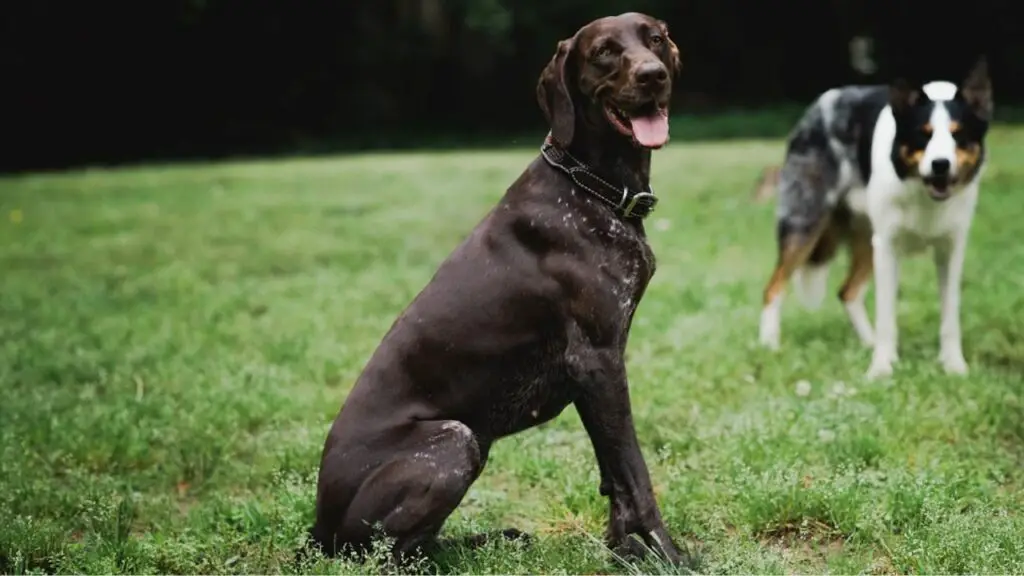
<point x="902" y="96"/>
<point x="976" y="90"/>
<point x="554" y="97"/>
<point x="677" y="61"/>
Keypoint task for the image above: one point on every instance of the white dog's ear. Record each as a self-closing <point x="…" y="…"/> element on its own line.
<point x="976" y="90"/>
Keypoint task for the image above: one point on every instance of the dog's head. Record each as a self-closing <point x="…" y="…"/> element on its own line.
<point x="940" y="130"/>
<point x="615" y="75"/>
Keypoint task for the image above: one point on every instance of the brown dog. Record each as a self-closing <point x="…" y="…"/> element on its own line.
<point x="529" y="314"/>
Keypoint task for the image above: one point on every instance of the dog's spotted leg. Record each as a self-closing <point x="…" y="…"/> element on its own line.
<point x="854" y="287"/>
<point x="949" y="264"/>
<point x="886" y="288"/>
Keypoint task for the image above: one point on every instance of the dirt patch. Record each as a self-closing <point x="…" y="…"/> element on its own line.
<point x="809" y="540"/>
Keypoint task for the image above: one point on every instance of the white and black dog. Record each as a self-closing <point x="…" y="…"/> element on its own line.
<point x="888" y="171"/>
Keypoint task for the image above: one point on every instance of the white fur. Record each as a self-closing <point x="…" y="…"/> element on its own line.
<point x="940" y="90"/>
<point x="857" y="200"/>
<point x="771" y="323"/>
<point x="858" y="315"/>
<point x="906" y="222"/>
<point x="811" y="284"/>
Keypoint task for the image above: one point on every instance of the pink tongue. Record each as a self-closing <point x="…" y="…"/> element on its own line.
<point x="650" y="131"/>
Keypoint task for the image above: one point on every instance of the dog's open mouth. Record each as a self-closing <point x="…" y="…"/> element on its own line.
<point x="939" y="187"/>
<point x="647" y="125"/>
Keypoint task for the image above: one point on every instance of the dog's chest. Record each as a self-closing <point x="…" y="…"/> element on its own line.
<point x="915" y="222"/>
<point x="611" y="284"/>
<point x="531" y="396"/>
<point x="620" y="262"/>
<point x="627" y="268"/>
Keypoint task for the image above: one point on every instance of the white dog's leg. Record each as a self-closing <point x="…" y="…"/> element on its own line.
<point x="771" y="322"/>
<point x="855" y="288"/>
<point x="949" y="265"/>
<point x="886" y="286"/>
<point x="811" y="282"/>
<point x="858" y="315"/>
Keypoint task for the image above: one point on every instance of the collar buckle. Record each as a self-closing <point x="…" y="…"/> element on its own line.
<point x="646" y="201"/>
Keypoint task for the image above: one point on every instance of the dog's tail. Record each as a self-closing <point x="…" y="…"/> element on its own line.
<point x="767" y="183"/>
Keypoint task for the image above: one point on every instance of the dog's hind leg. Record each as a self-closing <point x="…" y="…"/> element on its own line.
<point x="796" y="246"/>
<point x="811" y="284"/>
<point x="854" y="287"/>
<point x="421" y="480"/>
<point x="811" y="279"/>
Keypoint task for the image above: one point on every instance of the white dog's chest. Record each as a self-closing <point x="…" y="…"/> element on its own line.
<point x="914" y="222"/>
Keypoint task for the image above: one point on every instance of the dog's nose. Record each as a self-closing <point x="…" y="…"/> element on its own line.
<point x="651" y="73"/>
<point x="940" y="167"/>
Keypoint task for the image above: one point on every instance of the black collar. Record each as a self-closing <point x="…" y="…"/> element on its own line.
<point x="625" y="202"/>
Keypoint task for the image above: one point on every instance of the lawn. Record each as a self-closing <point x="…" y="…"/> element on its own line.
<point x="175" y="341"/>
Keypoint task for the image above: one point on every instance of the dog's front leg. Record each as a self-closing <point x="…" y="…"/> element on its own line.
<point x="604" y="408"/>
<point x="949" y="266"/>
<point x="886" y="288"/>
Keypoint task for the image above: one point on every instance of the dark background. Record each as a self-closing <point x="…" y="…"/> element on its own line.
<point x="99" y="82"/>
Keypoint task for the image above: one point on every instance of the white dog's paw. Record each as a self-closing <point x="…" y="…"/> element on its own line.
<point x="770" y="329"/>
<point x="879" y="369"/>
<point x="954" y="363"/>
<point x="769" y="340"/>
<point x="881" y="365"/>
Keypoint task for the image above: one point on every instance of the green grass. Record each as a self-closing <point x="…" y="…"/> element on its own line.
<point x="175" y="341"/>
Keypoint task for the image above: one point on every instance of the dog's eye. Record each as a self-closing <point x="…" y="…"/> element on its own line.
<point x="603" y="52"/>
<point x="656" y="40"/>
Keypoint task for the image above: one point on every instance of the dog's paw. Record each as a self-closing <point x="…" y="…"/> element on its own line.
<point x="954" y="364"/>
<point x="629" y="549"/>
<point x="769" y="342"/>
<point x="770" y="330"/>
<point x="879" y="370"/>
<point x="769" y="337"/>
<point x="881" y="365"/>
